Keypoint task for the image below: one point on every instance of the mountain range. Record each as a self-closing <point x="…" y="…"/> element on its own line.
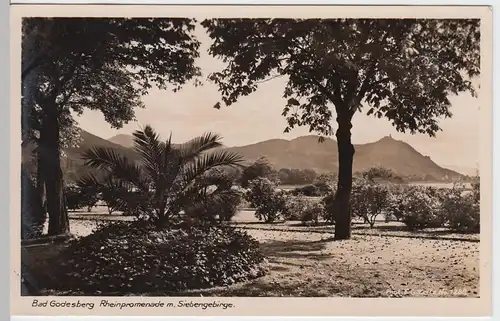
<point x="304" y="152"/>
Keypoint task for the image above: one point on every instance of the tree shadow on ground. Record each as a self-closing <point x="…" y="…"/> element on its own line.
<point x="263" y="288"/>
<point x="319" y="224"/>
<point x="387" y="228"/>
<point x="403" y="228"/>
<point x="296" y="249"/>
<point x="235" y="223"/>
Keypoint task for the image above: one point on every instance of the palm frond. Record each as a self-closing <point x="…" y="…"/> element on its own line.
<point x="172" y="166"/>
<point x="151" y="149"/>
<point x="196" y="146"/>
<point x="88" y="179"/>
<point x="120" y="166"/>
<point x="206" y="162"/>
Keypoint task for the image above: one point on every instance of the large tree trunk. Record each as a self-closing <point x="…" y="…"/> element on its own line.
<point x="52" y="173"/>
<point x="40" y="181"/>
<point x="32" y="213"/>
<point x="344" y="185"/>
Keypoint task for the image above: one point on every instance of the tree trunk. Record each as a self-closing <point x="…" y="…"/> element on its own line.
<point x="51" y="169"/>
<point x="32" y="213"/>
<point x="40" y="181"/>
<point x="344" y="185"/>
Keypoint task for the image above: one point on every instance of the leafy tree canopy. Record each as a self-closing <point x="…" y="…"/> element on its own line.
<point x="103" y="64"/>
<point x="404" y="69"/>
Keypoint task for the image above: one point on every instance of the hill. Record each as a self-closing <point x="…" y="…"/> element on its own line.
<point x="302" y="153"/>
<point x="469" y="171"/>
<point x="123" y="140"/>
<point x="306" y="152"/>
<point x="73" y="164"/>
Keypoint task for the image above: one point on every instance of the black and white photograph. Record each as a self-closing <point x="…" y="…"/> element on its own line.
<point x="225" y="156"/>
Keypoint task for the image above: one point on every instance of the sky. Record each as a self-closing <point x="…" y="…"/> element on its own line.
<point x="257" y="117"/>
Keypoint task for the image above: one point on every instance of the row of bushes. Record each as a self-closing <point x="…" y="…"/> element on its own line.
<point x="272" y="204"/>
<point x="416" y="206"/>
<point x="429" y="207"/>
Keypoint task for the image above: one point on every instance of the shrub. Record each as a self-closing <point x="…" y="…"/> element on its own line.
<point x="380" y="173"/>
<point x="395" y="207"/>
<point x="136" y="257"/>
<point x="87" y="195"/>
<point x="261" y="168"/>
<point x="307" y="190"/>
<point x="316" y="189"/>
<point x="422" y="209"/>
<point x="269" y="203"/>
<point x="476" y="190"/>
<point x="330" y="208"/>
<point x="114" y="193"/>
<point x="74" y="198"/>
<point x="323" y="188"/>
<point x="462" y="211"/>
<point x="299" y="208"/>
<point x="368" y="200"/>
<point x="312" y="212"/>
<point x="212" y="209"/>
<point x="295" y="206"/>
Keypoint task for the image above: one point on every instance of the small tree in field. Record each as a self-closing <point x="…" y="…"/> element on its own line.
<point x="216" y="182"/>
<point x="330" y="208"/>
<point x="422" y="208"/>
<point x="269" y="203"/>
<point x="395" y="206"/>
<point x="375" y="173"/>
<point x="111" y="191"/>
<point x="74" y="200"/>
<point x="89" y="195"/>
<point x="260" y="168"/>
<point x="368" y="200"/>
<point x="461" y="210"/>
<point x="401" y="69"/>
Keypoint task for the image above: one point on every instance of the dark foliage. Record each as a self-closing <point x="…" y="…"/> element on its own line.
<point x="317" y="189"/>
<point x="296" y="176"/>
<point x="138" y="258"/>
<point x="216" y="209"/>
<point x="260" y="168"/>
<point x="270" y="203"/>
<point x="330" y="208"/>
<point x="462" y="209"/>
<point x="74" y="201"/>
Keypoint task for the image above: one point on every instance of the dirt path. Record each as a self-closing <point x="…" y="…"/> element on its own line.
<point x="311" y="264"/>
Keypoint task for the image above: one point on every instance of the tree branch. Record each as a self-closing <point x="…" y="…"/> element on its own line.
<point x="269" y="79"/>
<point x="366" y="82"/>
<point x="38" y="61"/>
<point x="336" y="86"/>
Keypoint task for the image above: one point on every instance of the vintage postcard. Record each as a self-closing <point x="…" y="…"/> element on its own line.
<point x="251" y="160"/>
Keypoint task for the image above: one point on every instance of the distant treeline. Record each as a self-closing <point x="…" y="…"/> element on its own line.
<point x="296" y="176"/>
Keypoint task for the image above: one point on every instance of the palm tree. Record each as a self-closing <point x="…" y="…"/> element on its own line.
<point x="167" y="177"/>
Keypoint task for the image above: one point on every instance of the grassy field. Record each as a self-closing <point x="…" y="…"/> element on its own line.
<point x="386" y="261"/>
